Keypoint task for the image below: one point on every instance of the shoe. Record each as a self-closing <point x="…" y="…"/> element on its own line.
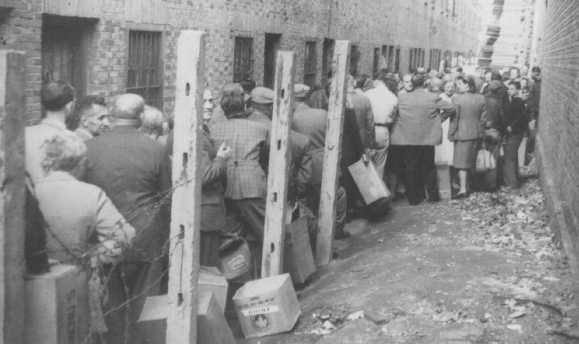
<point x="461" y="195"/>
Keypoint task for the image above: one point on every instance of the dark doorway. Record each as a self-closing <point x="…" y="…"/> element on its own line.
<point x="327" y="56"/>
<point x="272" y="43"/>
<point x="65" y="44"/>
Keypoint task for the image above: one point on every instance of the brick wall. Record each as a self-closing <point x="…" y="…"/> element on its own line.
<point x="367" y="23"/>
<point x="559" y="118"/>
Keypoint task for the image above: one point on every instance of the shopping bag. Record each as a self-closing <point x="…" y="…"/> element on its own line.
<point x="485" y="161"/>
<point x="369" y="183"/>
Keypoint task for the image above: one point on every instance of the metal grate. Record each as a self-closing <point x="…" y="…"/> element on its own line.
<point x="243" y="59"/>
<point x="144" y="69"/>
<point x="310" y="64"/>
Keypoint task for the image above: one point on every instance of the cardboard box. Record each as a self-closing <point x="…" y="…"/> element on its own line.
<point x="211" y="323"/>
<point x="267" y="306"/>
<point x="298" y="256"/>
<point x="57" y="306"/>
<point x="212" y="280"/>
<point x="212" y="327"/>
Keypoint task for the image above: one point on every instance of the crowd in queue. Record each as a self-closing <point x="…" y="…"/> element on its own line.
<point x="99" y="174"/>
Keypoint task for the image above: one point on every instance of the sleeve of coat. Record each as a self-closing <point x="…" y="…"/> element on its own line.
<point x="370" y="134"/>
<point x="212" y="170"/>
<point x="304" y="173"/>
<point x="113" y="232"/>
<point x="446" y="109"/>
<point x="484" y="115"/>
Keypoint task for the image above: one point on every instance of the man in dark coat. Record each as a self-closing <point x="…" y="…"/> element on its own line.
<point x="416" y="130"/>
<point x="515" y="123"/>
<point x="131" y="169"/>
<point x="300" y="157"/>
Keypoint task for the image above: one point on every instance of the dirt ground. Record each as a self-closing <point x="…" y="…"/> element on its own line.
<point x="481" y="270"/>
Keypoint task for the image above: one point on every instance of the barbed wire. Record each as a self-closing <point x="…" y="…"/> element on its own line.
<point x="81" y="256"/>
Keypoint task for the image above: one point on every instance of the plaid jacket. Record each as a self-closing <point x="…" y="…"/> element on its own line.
<point x="248" y="141"/>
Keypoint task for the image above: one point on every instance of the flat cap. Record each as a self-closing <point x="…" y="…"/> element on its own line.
<point x="262" y="95"/>
<point x="301" y="90"/>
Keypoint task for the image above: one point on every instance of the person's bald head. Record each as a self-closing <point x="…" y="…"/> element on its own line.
<point x="128" y="106"/>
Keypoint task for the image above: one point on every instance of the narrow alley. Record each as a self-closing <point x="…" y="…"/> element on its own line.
<point x="483" y="270"/>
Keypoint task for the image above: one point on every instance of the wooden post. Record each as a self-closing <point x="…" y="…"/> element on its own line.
<point x="12" y="267"/>
<point x="186" y="211"/>
<point x="277" y="182"/>
<point x="332" y="155"/>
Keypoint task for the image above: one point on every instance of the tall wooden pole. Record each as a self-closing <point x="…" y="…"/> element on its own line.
<point x="12" y="169"/>
<point x="186" y="211"/>
<point x="277" y="182"/>
<point x="332" y="156"/>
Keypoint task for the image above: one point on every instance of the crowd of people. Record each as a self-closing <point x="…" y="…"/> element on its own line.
<point x="99" y="174"/>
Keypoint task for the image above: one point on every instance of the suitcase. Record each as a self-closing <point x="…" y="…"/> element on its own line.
<point x="369" y="183"/>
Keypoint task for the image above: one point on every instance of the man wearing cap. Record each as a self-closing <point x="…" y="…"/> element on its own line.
<point x="58" y="102"/>
<point x="261" y="105"/>
<point x="131" y="168"/>
<point x="301" y="160"/>
<point x="309" y="121"/>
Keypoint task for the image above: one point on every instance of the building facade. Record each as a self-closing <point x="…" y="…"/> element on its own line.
<point x="559" y="121"/>
<point x="513" y="47"/>
<point x="113" y="46"/>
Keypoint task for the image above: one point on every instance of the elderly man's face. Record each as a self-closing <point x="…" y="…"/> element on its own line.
<point x="97" y="121"/>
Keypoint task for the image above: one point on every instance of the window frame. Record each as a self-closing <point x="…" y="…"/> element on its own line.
<point x="239" y="75"/>
<point x="157" y="65"/>
<point x="310" y="62"/>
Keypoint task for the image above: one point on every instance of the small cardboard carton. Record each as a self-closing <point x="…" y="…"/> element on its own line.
<point x="212" y="280"/>
<point x="211" y="323"/>
<point x="212" y="327"/>
<point x="267" y="306"/>
<point x="298" y="256"/>
<point x="57" y="306"/>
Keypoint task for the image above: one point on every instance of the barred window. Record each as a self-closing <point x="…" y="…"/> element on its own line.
<point x="243" y="59"/>
<point x="310" y="63"/>
<point x="144" y="75"/>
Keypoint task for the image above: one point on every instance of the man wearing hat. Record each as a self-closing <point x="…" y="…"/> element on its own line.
<point x="131" y="168"/>
<point x="58" y="103"/>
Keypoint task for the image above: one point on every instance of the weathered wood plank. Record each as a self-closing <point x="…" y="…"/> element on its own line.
<point x="186" y="201"/>
<point x="12" y="267"/>
<point x="279" y="155"/>
<point x="332" y="155"/>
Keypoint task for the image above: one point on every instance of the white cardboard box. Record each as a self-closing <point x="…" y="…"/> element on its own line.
<point x="267" y="306"/>
<point x="57" y="306"/>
